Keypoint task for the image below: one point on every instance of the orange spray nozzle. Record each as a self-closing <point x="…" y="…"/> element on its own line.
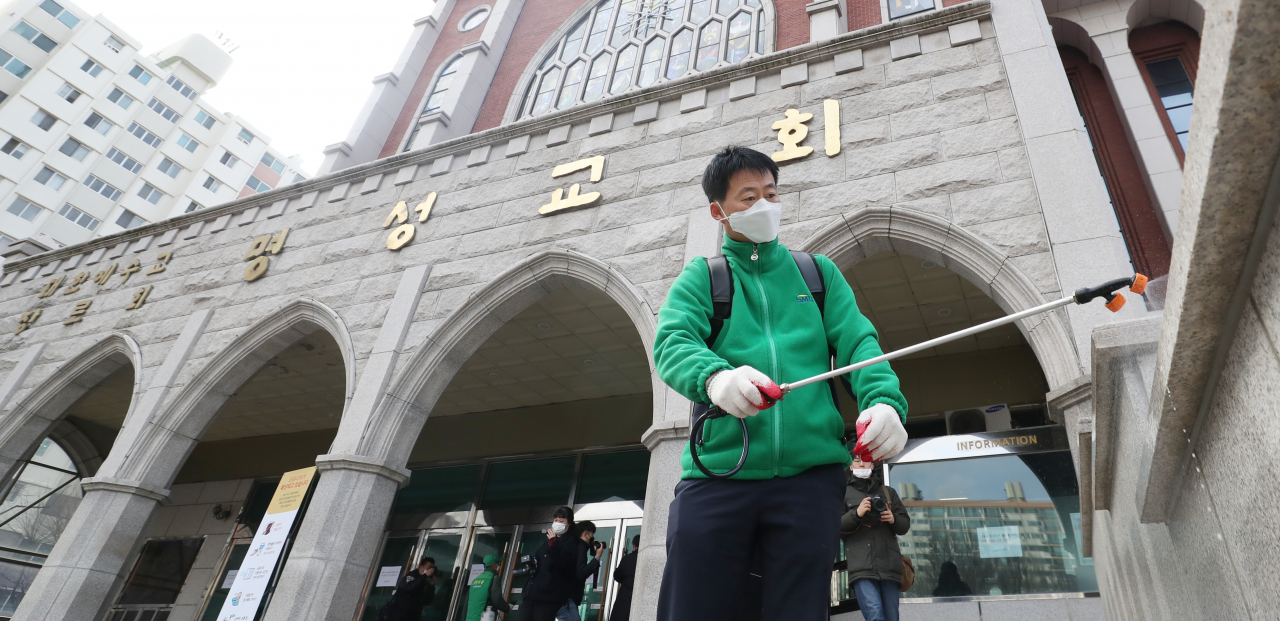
<point x="1139" y="284"/>
<point x="1116" y="303"/>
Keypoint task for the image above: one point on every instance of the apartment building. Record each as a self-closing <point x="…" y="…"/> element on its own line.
<point x="96" y="138"/>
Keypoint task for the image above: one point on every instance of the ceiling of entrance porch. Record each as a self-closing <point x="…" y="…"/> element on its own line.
<point x="912" y="300"/>
<point x="572" y="344"/>
<point x="301" y="389"/>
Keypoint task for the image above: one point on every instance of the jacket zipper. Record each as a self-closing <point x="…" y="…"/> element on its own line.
<point x="773" y="356"/>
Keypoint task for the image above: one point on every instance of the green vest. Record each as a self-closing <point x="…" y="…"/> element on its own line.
<point x="479" y="595"/>
<point x="776" y="328"/>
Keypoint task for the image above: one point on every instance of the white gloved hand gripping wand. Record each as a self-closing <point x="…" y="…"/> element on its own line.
<point x="1109" y="290"/>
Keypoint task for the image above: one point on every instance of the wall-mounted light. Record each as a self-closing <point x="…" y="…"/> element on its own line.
<point x="221" y="512"/>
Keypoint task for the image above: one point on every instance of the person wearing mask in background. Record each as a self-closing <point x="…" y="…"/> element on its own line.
<point x="871" y="541"/>
<point x="542" y="600"/>
<point x="949" y="582"/>
<point x="625" y="576"/>
<point x="572" y="567"/>
<point x="415" y="590"/>
<point x="486" y="590"/>
<point x="783" y="507"/>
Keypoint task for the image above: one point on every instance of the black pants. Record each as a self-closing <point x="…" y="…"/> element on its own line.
<point x="785" y="527"/>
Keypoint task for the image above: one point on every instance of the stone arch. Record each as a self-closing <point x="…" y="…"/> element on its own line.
<point x="1145" y="12"/>
<point x="392" y="430"/>
<point x="164" y="442"/>
<point x="863" y="233"/>
<point x="38" y="414"/>
<point x="1067" y="32"/>
<point x="512" y="113"/>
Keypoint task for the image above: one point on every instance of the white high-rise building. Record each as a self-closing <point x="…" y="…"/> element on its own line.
<point x="96" y="138"/>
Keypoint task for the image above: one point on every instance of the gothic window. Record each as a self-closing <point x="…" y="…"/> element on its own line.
<point x="624" y="44"/>
<point x="441" y="87"/>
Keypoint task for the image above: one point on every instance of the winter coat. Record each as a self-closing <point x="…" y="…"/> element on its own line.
<point x="625" y="575"/>
<point x="776" y="328"/>
<point x="871" y="546"/>
<point x="572" y="568"/>
<point x="413" y="592"/>
<point x="540" y="587"/>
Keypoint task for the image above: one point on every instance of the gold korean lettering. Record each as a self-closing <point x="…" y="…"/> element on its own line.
<point x="129" y="271"/>
<point x="75" y="283"/>
<point x="792" y="131"/>
<point x="102" y="276"/>
<point x="560" y="201"/>
<point x="77" y="312"/>
<point x="139" y="298"/>
<point x="50" y="287"/>
<point x="403" y="234"/>
<point x="26" y="320"/>
<point x="163" y="259"/>
<point x="262" y="246"/>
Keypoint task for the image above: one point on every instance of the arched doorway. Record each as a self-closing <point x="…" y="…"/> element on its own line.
<point x="542" y="401"/>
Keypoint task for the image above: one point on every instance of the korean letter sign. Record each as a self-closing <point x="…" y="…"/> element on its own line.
<point x="268" y="543"/>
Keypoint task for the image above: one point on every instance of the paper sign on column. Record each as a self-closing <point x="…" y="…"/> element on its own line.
<point x="388" y="576"/>
<point x="268" y="543"/>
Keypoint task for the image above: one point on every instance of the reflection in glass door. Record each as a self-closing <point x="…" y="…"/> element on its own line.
<point x="623" y="546"/>
<point x="397" y="553"/>
<point x="532" y="537"/>
<point x="593" y="596"/>
<point x="486" y="541"/>
<point x="443" y="546"/>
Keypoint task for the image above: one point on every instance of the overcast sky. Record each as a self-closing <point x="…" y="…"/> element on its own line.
<point x="303" y="69"/>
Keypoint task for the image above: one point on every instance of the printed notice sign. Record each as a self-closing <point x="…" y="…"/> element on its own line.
<point x="999" y="542"/>
<point x="388" y="576"/>
<point x="268" y="543"/>
<point x="476" y="570"/>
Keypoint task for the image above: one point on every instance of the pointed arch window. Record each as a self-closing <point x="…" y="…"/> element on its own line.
<point x="436" y="98"/>
<point x="625" y="44"/>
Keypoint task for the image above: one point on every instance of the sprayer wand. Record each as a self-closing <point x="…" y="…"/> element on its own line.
<point x="1109" y="290"/>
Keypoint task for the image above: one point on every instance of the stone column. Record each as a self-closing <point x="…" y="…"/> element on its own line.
<point x="331" y="557"/>
<point x="665" y="442"/>
<point x="826" y="19"/>
<point x="1084" y="235"/>
<point x="89" y="562"/>
<point x="15" y="449"/>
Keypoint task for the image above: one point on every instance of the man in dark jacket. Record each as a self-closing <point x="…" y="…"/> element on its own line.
<point x="415" y="590"/>
<point x="871" y="541"/>
<point x="571" y="568"/>
<point x="625" y="576"/>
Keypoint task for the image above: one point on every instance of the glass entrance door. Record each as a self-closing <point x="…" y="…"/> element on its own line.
<point x="484" y="542"/>
<point x="622" y="547"/>
<point x="531" y="537"/>
<point x="395" y="560"/>
<point x="445" y="547"/>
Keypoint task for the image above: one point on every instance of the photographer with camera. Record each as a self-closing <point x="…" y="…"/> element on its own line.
<point x="573" y="567"/>
<point x="874" y="519"/>
<point x="415" y="590"/>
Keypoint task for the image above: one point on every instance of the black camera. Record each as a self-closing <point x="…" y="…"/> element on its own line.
<point x="596" y="545"/>
<point x="528" y="565"/>
<point x="878" y="505"/>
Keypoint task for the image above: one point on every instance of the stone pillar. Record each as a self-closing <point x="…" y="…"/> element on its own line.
<point x="16" y="449"/>
<point x="331" y="557"/>
<point x="826" y="19"/>
<point x="665" y="442"/>
<point x="1084" y="235"/>
<point x="88" y="564"/>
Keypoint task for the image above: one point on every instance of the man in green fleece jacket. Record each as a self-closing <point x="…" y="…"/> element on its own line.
<point x="779" y="517"/>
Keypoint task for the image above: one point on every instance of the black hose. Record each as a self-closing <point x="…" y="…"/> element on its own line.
<point x="696" y="432"/>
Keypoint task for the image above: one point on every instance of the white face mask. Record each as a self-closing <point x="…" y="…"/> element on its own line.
<point x="861" y="473"/>
<point x="558" y="527"/>
<point x="759" y="223"/>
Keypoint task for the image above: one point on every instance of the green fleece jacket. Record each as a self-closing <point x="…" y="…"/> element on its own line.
<point x="776" y="328"/>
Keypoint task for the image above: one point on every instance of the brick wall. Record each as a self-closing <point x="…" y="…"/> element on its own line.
<point x="863" y="14"/>
<point x="538" y="20"/>
<point x="947" y="3"/>
<point x="793" y="24"/>
<point x="448" y="43"/>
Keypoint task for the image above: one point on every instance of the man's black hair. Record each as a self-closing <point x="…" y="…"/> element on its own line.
<point x="427" y="559"/>
<point x="635" y="542"/>
<point x="715" y="179"/>
<point x="586" y="526"/>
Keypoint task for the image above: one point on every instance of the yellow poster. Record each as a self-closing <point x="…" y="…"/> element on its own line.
<point x="292" y="489"/>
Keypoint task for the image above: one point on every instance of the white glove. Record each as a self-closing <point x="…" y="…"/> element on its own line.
<point x="741" y="391"/>
<point x="880" y="432"/>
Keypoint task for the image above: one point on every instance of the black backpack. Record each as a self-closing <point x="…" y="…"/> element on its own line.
<point x="722" y="307"/>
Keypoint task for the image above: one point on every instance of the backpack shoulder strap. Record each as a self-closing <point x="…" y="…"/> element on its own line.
<point x="888" y="498"/>
<point x="721" y="295"/>
<point x="812" y="277"/>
